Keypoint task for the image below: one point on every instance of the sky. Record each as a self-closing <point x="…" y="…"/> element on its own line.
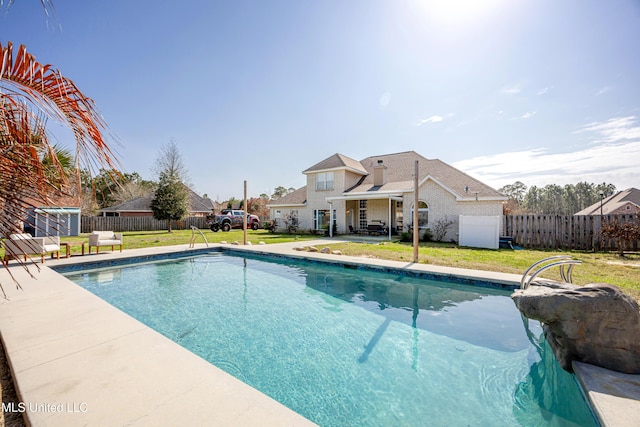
<point x="537" y="91"/>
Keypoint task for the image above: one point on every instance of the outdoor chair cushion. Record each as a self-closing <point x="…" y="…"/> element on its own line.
<point x="25" y="244"/>
<point x="105" y="238"/>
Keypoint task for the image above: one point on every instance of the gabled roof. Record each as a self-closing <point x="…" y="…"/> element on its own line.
<point x="337" y="161"/>
<point x="139" y="204"/>
<point x="199" y="204"/>
<point x="614" y="202"/>
<point x="400" y="169"/>
<point x="143" y="204"/>
<point x="297" y="197"/>
<point x="399" y="178"/>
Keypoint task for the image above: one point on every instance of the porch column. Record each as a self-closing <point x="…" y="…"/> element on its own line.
<point x="331" y="219"/>
<point x="389" y="218"/>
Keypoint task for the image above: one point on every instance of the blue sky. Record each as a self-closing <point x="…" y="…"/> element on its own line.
<point x="541" y="91"/>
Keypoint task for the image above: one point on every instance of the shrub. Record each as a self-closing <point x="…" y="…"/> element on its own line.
<point x="440" y="228"/>
<point x="624" y="234"/>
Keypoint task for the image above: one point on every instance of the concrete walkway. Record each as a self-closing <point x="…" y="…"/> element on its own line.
<point x="76" y="360"/>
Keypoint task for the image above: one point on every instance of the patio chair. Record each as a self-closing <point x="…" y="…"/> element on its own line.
<point x="23" y="244"/>
<point x="105" y="238"/>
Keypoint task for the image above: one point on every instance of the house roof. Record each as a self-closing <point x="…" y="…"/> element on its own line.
<point x="296" y="197"/>
<point x="399" y="178"/>
<point x="400" y="169"/>
<point x="143" y="204"/>
<point x="614" y="202"/>
<point x="337" y="161"/>
<point x="139" y="204"/>
<point x="56" y="201"/>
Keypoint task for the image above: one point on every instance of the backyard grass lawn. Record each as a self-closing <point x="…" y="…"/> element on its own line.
<point x="596" y="268"/>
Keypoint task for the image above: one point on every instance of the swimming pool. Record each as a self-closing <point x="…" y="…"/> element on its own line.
<point x="351" y="346"/>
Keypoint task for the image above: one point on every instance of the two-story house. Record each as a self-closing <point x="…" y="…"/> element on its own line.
<point x="353" y="194"/>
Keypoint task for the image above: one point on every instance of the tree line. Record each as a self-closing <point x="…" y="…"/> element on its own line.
<point x="111" y="187"/>
<point x="553" y="199"/>
<point x="170" y="191"/>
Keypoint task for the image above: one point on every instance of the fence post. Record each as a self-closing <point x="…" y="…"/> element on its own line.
<point x="597" y="234"/>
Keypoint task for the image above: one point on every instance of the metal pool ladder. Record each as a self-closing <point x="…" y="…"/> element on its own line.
<point x="192" y="242"/>
<point x="555" y="261"/>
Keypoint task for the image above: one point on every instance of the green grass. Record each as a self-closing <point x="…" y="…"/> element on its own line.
<point x="596" y="268"/>
<point x="149" y="239"/>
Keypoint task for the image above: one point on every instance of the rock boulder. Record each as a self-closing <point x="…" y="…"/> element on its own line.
<point x="595" y="324"/>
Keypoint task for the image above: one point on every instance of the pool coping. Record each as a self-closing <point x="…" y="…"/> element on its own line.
<point x="76" y="360"/>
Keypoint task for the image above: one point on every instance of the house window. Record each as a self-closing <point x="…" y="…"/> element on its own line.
<point x="399" y="215"/>
<point x="362" y="215"/>
<point x="321" y="219"/>
<point x="324" y="181"/>
<point x="423" y="214"/>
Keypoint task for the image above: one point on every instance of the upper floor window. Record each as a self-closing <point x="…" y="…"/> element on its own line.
<point x="324" y="181"/>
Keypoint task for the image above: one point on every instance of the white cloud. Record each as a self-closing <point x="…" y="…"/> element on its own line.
<point x="525" y="116"/>
<point x="543" y="91"/>
<point x="613" y="130"/>
<point x="605" y="162"/>
<point x="604" y="90"/>
<point x="433" y="119"/>
<point x="385" y="99"/>
<point x="511" y="90"/>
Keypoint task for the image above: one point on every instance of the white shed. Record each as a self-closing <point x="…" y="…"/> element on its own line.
<point x="54" y="222"/>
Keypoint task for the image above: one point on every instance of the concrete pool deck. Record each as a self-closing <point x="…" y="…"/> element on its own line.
<point x="76" y="360"/>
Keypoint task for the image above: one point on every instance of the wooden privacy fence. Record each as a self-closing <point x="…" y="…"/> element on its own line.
<point x="140" y="223"/>
<point x="564" y="232"/>
<point x="567" y="232"/>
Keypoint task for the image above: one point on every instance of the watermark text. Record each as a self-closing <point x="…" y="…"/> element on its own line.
<point x="33" y="407"/>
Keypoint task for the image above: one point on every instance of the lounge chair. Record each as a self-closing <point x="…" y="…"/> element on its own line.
<point x="23" y="244"/>
<point x="105" y="238"/>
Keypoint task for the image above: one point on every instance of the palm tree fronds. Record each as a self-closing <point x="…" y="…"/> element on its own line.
<point x="32" y="173"/>
<point x="58" y="97"/>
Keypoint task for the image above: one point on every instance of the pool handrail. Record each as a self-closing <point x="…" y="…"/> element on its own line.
<point x="192" y="242"/>
<point x="562" y="261"/>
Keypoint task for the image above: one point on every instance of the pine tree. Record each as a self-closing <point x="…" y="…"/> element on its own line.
<point x="171" y="199"/>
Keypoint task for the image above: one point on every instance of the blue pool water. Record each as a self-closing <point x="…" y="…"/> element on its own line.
<point x="352" y="347"/>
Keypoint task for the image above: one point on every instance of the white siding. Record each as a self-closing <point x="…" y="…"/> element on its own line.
<point x="443" y="205"/>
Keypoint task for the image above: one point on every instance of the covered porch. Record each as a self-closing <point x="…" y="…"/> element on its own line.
<point x="378" y="215"/>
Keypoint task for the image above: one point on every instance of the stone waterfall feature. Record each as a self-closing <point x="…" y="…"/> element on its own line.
<point x="595" y="324"/>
